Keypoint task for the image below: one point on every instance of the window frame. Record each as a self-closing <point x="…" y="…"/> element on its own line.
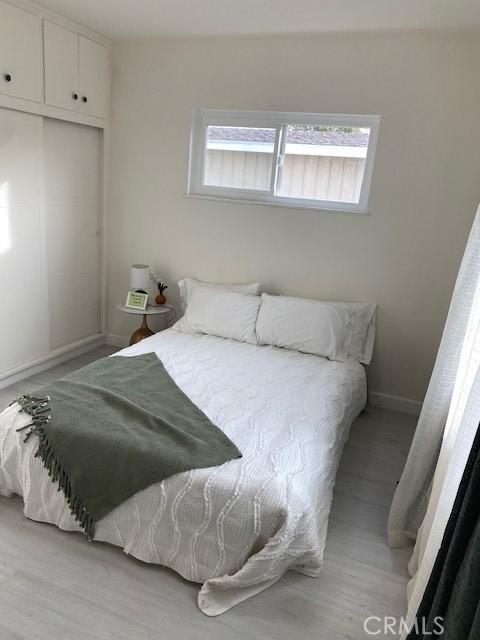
<point x="278" y="120"/>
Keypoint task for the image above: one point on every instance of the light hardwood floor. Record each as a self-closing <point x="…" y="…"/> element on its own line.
<point x="55" y="586"/>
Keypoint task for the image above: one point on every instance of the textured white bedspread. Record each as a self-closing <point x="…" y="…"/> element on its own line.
<point x="236" y="528"/>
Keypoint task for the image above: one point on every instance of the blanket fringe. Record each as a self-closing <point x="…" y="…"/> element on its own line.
<point x="40" y="411"/>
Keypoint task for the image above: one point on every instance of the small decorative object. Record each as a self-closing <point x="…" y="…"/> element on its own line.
<point x="136" y="300"/>
<point x="161" y="299"/>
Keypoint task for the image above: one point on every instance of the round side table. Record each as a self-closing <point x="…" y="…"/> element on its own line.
<point x="144" y="330"/>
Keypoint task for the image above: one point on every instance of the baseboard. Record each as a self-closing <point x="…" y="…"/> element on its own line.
<point x="55" y="357"/>
<point x="394" y="403"/>
<point x="116" y="341"/>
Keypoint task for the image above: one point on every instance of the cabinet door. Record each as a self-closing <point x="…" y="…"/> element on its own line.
<point x="93" y="77"/>
<point x="21" y="72"/>
<point x="61" y="67"/>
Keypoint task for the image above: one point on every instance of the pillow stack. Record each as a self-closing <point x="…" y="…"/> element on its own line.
<point x="335" y="330"/>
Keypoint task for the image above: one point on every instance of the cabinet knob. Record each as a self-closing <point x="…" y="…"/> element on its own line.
<point x="75" y="96"/>
<point x="84" y="98"/>
<point x="7" y="77"/>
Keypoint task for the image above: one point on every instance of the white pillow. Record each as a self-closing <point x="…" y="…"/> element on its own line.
<point x="305" y="325"/>
<point x="187" y="286"/>
<point x="227" y="314"/>
<point x="363" y="334"/>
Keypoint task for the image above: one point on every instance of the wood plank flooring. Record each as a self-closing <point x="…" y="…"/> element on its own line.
<point x="55" y="586"/>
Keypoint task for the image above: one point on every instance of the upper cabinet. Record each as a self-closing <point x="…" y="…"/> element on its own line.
<point x="61" y="66"/>
<point x="76" y="71"/>
<point x="92" y="77"/>
<point x="21" y="53"/>
<point x="50" y="66"/>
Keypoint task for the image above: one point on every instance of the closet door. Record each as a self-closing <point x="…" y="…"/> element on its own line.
<point x="61" y="66"/>
<point x="23" y="281"/>
<point x="72" y="194"/>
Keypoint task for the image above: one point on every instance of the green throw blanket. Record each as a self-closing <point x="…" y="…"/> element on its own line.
<point x="116" y="427"/>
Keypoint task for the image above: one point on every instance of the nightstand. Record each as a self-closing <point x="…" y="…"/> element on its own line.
<point x="144" y="330"/>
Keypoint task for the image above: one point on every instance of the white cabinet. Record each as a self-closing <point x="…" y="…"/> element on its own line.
<point x="76" y="71"/>
<point x="21" y="55"/>
<point x="93" y="77"/>
<point x="61" y="66"/>
<point x="54" y="104"/>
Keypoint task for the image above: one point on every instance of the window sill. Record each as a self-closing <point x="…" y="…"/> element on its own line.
<point x="287" y="205"/>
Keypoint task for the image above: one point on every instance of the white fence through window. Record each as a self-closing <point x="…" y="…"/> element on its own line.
<point x="304" y="176"/>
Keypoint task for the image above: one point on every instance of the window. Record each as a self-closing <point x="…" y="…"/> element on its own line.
<point x="312" y="160"/>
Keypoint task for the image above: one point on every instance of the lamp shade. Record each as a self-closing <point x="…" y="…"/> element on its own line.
<point x="139" y="277"/>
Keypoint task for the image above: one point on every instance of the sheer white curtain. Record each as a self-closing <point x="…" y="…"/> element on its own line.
<point x="446" y="429"/>
<point x="411" y="497"/>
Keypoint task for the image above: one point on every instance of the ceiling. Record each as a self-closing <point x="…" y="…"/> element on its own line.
<point x="119" y="19"/>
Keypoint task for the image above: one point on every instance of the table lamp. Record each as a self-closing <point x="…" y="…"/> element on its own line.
<point x="140" y="277"/>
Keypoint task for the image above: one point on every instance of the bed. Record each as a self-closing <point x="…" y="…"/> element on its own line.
<point x="236" y="528"/>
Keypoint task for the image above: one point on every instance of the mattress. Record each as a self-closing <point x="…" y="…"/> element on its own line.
<point x="236" y="528"/>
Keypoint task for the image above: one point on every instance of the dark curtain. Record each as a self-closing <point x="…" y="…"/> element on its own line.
<point x="453" y="590"/>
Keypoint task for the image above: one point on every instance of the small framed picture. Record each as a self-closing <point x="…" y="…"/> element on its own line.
<point x="136" y="300"/>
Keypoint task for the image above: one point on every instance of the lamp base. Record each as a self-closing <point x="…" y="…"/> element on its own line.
<point x="141" y="333"/>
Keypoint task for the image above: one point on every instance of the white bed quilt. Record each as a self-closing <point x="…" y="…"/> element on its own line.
<point x="236" y="528"/>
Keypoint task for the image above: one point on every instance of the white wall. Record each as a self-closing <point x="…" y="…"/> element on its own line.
<point x="426" y="183"/>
